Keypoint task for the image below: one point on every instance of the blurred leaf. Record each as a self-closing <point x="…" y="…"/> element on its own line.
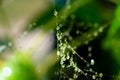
<point x="16" y="15"/>
<point x="112" y="41"/>
<point x="19" y="67"/>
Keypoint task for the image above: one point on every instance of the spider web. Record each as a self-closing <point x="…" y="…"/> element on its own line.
<point x="67" y="53"/>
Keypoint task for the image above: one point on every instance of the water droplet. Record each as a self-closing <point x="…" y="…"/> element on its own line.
<point x="6" y="72"/>
<point x="86" y="74"/>
<point x="96" y="73"/>
<point x="68" y="57"/>
<point x="95" y="34"/>
<point x="91" y="70"/>
<point x="88" y="65"/>
<point x="68" y="7"/>
<point x="66" y="34"/>
<point x="58" y="53"/>
<point x="62" y="17"/>
<point x="89" y="48"/>
<point x="79" y="70"/>
<point x="34" y="24"/>
<point x="24" y="34"/>
<point x="77" y="32"/>
<point x="2" y="48"/>
<point x="70" y="79"/>
<point x="89" y="55"/>
<point x="75" y="76"/>
<point x="69" y="47"/>
<point x="55" y="13"/>
<point x="101" y="29"/>
<point x="63" y="66"/>
<point x="76" y="69"/>
<point x="94" y="77"/>
<point x="100" y="75"/>
<point x="9" y="44"/>
<point x="92" y="62"/>
<point x="57" y="28"/>
<point x="86" y="42"/>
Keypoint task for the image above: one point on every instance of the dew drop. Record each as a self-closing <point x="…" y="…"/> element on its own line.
<point x="57" y="28"/>
<point x="70" y="79"/>
<point x="89" y="55"/>
<point x="100" y="75"/>
<point x="94" y="77"/>
<point x="86" y="42"/>
<point x="95" y="34"/>
<point x="63" y="66"/>
<point x="55" y="13"/>
<point x="2" y="48"/>
<point x="24" y="34"/>
<point x="89" y="48"/>
<point x="91" y="70"/>
<point x="76" y="69"/>
<point x="92" y="62"/>
<point x="101" y="29"/>
<point x="66" y="34"/>
<point x="68" y="7"/>
<point x="9" y="44"/>
<point x="79" y="70"/>
<point x="86" y="74"/>
<point x="77" y="32"/>
<point x="62" y="17"/>
<point x="75" y="76"/>
<point x="88" y="65"/>
<point x="58" y="53"/>
<point x="68" y="57"/>
<point x="6" y="71"/>
<point x="34" y="24"/>
<point x="96" y="73"/>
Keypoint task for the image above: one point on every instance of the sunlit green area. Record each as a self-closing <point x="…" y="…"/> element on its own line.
<point x="59" y="40"/>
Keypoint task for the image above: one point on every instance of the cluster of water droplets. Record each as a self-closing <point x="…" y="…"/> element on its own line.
<point x="66" y="52"/>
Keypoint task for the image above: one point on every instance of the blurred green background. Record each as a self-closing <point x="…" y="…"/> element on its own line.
<point x="28" y="42"/>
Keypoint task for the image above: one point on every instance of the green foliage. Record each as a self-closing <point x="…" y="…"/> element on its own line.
<point x="19" y="67"/>
<point x="113" y="35"/>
